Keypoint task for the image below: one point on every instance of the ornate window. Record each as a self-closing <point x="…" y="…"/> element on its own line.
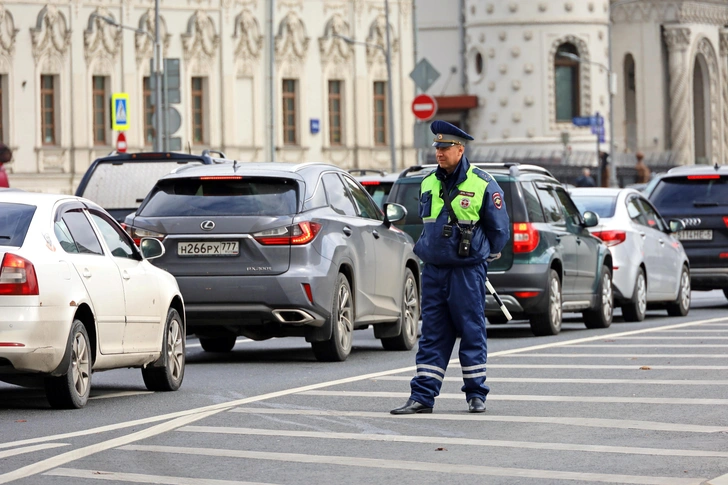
<point x="335" y="113"/>
<point x="148" y="112"/>
<point x="48" y="109"/>
<point x="100" y="115"/>
<point x="198" y="108"/>
<point x="380" y="115"/>
<point x="290" y="136"/>
<point x="567" y="85"/>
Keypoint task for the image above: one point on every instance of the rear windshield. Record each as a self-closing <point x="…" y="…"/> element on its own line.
<point x="683" y="192"/>
<point x="14" y="223"/>
<point x="603" y="205"/>
<point x="378" y="190"/>
<point x="244" y="196"/>
<point x="125" y="185"/>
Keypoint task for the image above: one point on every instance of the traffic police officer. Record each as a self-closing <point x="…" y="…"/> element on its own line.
<point x="456" y="250"/>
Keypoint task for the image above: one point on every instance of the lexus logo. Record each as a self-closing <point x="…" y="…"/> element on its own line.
<point x="207" y="226"/>
<point x="692" y="221"/>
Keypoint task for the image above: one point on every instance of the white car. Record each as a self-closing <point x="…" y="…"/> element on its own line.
<point x="650" y="265"/>
<point x="78" y="296"/>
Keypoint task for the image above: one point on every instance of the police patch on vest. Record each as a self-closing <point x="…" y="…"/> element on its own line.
<point x="497" y="201"/>
<point x="464" y="203"/>
<point x="467" y="194"/>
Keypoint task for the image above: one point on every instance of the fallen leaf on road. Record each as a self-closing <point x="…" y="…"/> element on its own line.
<point x="441" y="449"/>
<point x="645" y="367"/>
<point x="21" y="420"/>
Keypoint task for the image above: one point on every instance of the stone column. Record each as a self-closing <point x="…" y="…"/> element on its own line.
<point x="724" y="85"/>
<point x="678" y="40"/>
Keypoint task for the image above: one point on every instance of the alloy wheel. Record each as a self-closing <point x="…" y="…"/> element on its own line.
<point x="555" y="304"/>
<point x="175" y="349"/>
<point x="607" y="300"/>
<point x="80" y="364"/>
<point x="641" y="294"/>
<point x="685" y="290"/>
<point x="344" y="318"/>
<point x="410" y="315"/>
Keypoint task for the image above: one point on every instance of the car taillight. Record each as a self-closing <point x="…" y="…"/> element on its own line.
<point x="137" y="234"/>
<point x="370" y="182"/>
<point x="17" y="276"/>
<point x="295" y="235"/>
<point x="525" y="237"/>
<point x="703" y="177"/>
<point x="611" y="238"/>
<point x="725" y="221"/>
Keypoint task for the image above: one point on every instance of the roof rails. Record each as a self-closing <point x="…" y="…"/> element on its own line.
<point x="206" y="153"/>
<point x="364" y="171"/>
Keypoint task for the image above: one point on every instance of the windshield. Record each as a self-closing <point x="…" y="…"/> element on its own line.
<point x="14" y="223"/>
<point x="378" y="190"/>
<point x="687" y="192"/>
<point x="234" y="196"/>
<point x="603" y="205"/>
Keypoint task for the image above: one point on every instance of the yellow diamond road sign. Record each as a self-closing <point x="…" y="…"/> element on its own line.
<point x="120" y="111"/>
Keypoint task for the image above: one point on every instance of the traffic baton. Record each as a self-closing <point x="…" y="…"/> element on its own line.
<point x="503" y="308"/>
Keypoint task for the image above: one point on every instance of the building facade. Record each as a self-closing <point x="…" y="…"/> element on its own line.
<point x="60" y="63"/>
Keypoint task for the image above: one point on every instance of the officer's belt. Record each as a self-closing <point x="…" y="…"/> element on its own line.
<point x="460" y="222"/>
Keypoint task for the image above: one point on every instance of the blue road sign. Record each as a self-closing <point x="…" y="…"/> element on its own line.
<point x="597" y="130"/>
<point x="582" y="120"/>
<point x="120" y="112"/>
<point x="315" y="125"/>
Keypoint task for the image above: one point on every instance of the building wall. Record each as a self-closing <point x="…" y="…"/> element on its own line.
<point x="223" y="41"/>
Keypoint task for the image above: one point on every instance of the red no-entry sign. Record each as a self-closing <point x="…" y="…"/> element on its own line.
<point x="424" y="107"/>
<point x="121" y="143"/>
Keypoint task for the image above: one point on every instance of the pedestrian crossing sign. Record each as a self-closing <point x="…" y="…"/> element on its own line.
<point x="120" y="111"/>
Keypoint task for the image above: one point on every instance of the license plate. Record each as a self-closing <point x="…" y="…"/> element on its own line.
<point x="208" y="248"/>
<point x="695" y="235"/>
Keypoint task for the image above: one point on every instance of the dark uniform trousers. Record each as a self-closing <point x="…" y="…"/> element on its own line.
<point x="453" y="305"/>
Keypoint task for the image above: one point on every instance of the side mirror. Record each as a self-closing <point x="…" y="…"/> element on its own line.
<point x="151" y="248"/>
<point x="393" y="213"/>
<point x="676" y="225"/>
<point x="591" y="219"/>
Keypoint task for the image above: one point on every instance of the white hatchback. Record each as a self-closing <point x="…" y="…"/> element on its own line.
<point x="650" y="264"/>
<point x="78" y="296"/>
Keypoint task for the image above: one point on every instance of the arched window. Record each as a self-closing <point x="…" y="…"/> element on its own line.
<point x="566" y="75"/>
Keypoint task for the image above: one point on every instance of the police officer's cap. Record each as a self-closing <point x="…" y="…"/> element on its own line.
<point x="447" y="134"/>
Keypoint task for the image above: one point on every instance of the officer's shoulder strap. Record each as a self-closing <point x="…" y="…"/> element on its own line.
<point x="431" y="174"/>
<point x="482" y="174"/>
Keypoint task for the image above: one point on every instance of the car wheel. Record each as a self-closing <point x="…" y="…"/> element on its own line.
<point x="410" y="317"/>
<point x="601" y="315"/>
<point x="681" y="306"/>
<point x="218" y="344"/>
<point x="341" y="319"/>
<point x="71" y="390"/>
<point x="168" y="376"/>
<point x="635" y="310"/>
<point x="725" y="292"/>
<point x="549" y="323"/>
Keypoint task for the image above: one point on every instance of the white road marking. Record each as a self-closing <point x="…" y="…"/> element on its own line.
<point x="652" y="346"/>
<point x="30" y="449"/>
<point x="694" y="331"/>
<point x="441" y="440"/>
<point x="721" y="480"/>
<point x="450" y="469"/>
<point x="637" y="367"/>
<point x="121" y="394"/>
<point x="179" y="418"/>
<point x="238" y="341"/>
<point x="679" y="337"/>
<point x="601" y="382"/>
<point x="139" y="478"/>
<point x="527" y="397"/>
<point x="568" y="421"/>
<point x="632" y="356"/>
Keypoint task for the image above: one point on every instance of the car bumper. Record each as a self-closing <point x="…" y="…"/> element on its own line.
<point x="519" y="279"/>
<point x="708" y="278"/>
<point x="32" y="339"/>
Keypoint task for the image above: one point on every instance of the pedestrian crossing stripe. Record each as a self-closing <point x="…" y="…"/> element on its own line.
<point x="120" y="111"/>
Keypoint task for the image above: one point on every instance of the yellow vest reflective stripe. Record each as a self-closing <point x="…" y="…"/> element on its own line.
<point x="466" y="202"/>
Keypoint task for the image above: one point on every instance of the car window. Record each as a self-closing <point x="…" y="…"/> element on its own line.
<point x="635" y="212"/>
<point x="82" y="233"/>
<point x="14" y="223"/>
<point x="115" y="237"/>
<point x="233" y="196"/>
<point x="64" y="236"/>
<point x="378" y="190"/>
<point x="367" y="208"/>
<point x="682" y="192"/>
<point x="318" y="198"/>
<point x="338" y="197"/>
<point x="601" y="205"/>
<point x="408" y="195"/>
<point x="571" y="212"/>
<point x="533" y="206"/>
<point x="551" y="209"/>
<point x="653" y="218"/>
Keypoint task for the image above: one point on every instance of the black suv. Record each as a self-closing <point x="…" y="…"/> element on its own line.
<point x="550" y="265"/>
<point x="698" y="194"/>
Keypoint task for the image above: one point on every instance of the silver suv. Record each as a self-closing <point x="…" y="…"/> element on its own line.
<point x="275" y="250"/>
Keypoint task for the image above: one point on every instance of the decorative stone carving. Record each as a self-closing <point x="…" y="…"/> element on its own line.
<point x="708" y="52"/>
<point x="335" y="49"/>
<point x="591" y="6"/>
<point x="600" y="35"/>
<point x="516" y="117"/>
<point x="248" y="42"/>
<point x="724" y="75"/>
<point x="543" y="6"/>
<point x="503" y="68"/>
<point x="670" y="11"/>
<point x="200" y="43"/>
<point x="584" y="75"/>
<point x="489" y="8"/>
<point x="503" y="101"/>
<point x="531" y="133"/>
<point x="568" y="6"/>
<point x="473" y="10"/>
<point x="528" y="100"/>
<point x="528" y="68"/>
<point x="513" y="7"/>
<point x="100" y="38"/>
<point x="144" y="43"/>
<point x="502" y="35"/>
<point x="378" y="36"/>
<point x="506" y="133"/>
<point x="515" y="51"/>
<point x="678" y="39"/>
<point x="8" y="32"/>
<point x="516" y="85"/>
<point x="494" y="117"/>
<point x="491" y="53"/>
<point x="527" y="35"/>
<point x="51" y="34"/>
<point x="481" y="37"/>
<point x="491" y="86"/>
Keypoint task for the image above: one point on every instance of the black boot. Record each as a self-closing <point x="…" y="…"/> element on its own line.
<point x="411" y="407"/>
<point x="476" y="405"/>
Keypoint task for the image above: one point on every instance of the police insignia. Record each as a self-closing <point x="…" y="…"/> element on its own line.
<point x="439" y="136"/>
<point x="497" y="200"/>
<point x="464" y="203"/>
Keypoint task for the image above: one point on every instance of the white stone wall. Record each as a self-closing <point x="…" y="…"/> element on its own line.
<point x="221" y="40"/>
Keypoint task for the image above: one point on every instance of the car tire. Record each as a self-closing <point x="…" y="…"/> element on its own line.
<point x="725" y="292"/>
<point x="681" y="306"/>
<point x="410" y="318"/>
<point x="635" y="310"/>
<point x="71" y="390"/>
<point x="601" y="315"/>
<point x="168" y="376"/>
<point x="218" y="344"/>
<point x="341" y="319"/>
<point x="549" y="323"/>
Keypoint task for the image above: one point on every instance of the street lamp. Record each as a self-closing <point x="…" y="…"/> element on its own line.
<point x="157" y="60"/>
<point x="612" y="86"/>
<point x="390" y="105"/>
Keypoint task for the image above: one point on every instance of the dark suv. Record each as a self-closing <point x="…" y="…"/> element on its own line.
<point x="698" y="194"/>
<point x="550" y="265"/>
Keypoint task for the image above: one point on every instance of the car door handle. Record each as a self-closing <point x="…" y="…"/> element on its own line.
<point x="347" y="231"/>
<point x="662" y="243"/>
<point x="643" y="235"/>
<point x="125" y="275"/>
<point x="375" y="234"/>
<point x="558" y="239"/>
<point x="86" y="273"/>
<point x="578" y="240"/>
